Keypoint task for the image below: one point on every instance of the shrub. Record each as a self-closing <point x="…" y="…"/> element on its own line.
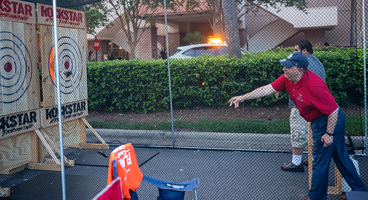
<point x="209" y="81"/>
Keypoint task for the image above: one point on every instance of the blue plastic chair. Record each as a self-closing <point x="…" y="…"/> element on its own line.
<point x="169" y="190"/>
<point x="356" y="195"/>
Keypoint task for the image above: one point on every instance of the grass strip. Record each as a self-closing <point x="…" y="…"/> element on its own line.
<point x="354" y="125"/>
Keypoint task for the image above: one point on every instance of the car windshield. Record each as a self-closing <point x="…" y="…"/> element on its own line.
<point x="211" y="50"/>
<point x="177" y="51"/>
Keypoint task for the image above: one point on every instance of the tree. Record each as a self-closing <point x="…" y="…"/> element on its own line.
<point x="216" y="9"/>
<point x="231" y="28"/>
<point x="96" y="16"/>
<point x="193" y="38"/>
<point x="134" y="17"/>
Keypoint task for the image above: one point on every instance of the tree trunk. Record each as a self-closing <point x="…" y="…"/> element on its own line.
<point x="231" y="28"/>
<point x="132" y="46"/>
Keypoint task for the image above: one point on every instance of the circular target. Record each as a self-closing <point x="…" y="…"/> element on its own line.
<point x="15" y="67"/>
<point x="70" y="70"/>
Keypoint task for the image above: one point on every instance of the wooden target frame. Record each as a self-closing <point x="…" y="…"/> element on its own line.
<point x="28" y="127"/>
<point x="73" y="85"/>
<point x="19" y="88"/>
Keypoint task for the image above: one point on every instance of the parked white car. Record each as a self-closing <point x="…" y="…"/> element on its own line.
<point x="195" y="50"/>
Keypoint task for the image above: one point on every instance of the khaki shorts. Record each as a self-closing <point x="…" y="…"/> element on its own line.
<point x="298" y="129"/>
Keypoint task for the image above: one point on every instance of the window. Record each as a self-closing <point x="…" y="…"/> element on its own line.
<point x="116" y="52"/>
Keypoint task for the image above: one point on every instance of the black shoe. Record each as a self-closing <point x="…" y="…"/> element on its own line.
<point x="305" y="163"/>
<point x="293" y="168"/>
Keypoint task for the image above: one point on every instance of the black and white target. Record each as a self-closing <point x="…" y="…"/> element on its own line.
<point x="70" y="66"/>
<point x="15" y="67"/>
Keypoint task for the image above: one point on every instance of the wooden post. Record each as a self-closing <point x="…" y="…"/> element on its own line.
<point x="94" y="146"/>
<point x="310" y="154"/>
<point x="4" y="192"/>
<point x="48" y="148"/>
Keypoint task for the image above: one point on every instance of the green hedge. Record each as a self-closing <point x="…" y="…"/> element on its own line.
<point x="207" y="81"/>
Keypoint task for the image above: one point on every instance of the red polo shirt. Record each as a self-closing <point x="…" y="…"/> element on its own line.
<point x="310" y="95"/>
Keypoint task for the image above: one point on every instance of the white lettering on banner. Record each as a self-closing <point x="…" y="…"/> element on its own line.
<point x="128" y="160"/>
<point x="122" y="153"/>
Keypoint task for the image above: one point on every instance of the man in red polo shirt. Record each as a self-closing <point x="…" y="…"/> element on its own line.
<point x="316" y="105"/>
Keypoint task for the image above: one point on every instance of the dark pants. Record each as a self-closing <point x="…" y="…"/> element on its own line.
<point x="322" y="157"/>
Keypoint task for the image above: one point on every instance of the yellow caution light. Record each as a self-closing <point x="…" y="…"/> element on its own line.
<point x="215" y="41"/>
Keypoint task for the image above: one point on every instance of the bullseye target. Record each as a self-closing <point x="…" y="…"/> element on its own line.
<point x="70" y="65"/>
<point x="15" y="68"/>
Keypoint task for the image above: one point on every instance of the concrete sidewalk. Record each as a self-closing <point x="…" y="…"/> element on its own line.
<point x="212" y="140"/>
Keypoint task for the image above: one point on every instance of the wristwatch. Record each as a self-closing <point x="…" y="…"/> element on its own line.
<point x="329" y="133"/>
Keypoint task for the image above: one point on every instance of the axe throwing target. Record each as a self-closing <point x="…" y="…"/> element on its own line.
<point x="69" y="64"/>
<point x="15" y="68"/>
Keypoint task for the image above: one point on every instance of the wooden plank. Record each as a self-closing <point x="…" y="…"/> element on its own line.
<point x="22" y="102"/>
<point x="4" y="192"/>
<point x="71" y="134"/>
<point x="83" y="135"/>
<point x="73" y="61"/>
<point x="93" y="131"/>
<point x="92" y="146"/>
<point x="83" y="89"/>
<point x="18" y="123"/>
<point x="333" y="190"/>
<point x="15" y="151"/>
<point x="35" y="146"/>
<point x="19" y="11"/>
<point x="338" y="184"/>
<point x="53" y="145"/>
<point x="33" y="91"/>
<point x="47" y="146"/>
<point x="69" y="112"/>
<point x="6" y="82"/>
<point x="69" y="163"/>
<point x="65" y="18"/>
<point x="19" y="79"/>
<point x="68" y="59"/>
<point x="48" y="75"/>
<point x="44" y="166"/>
<point x="15" y="170"/>
<point x="310" y="154"/>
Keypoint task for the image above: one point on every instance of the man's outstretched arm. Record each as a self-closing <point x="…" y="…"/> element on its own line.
<point x="257" y="93"/>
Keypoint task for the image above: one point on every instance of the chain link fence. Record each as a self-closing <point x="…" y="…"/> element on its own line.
<point x="202" y="84"/>
<point x="267" y="29"/>
<point x="174" y="98"/>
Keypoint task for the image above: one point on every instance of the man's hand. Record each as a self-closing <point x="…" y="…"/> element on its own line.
<point x="235" y="100"/>
<point x="327" y="140"/>
<point x="277" y="94"/>
<point x="257" y="93"/>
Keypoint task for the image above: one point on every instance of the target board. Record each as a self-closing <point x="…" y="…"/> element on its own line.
<point x="19" y="77"/>
<point x="71" y="53"/>
<point x="19" y="82"/>
<point x="72" y="65"/>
